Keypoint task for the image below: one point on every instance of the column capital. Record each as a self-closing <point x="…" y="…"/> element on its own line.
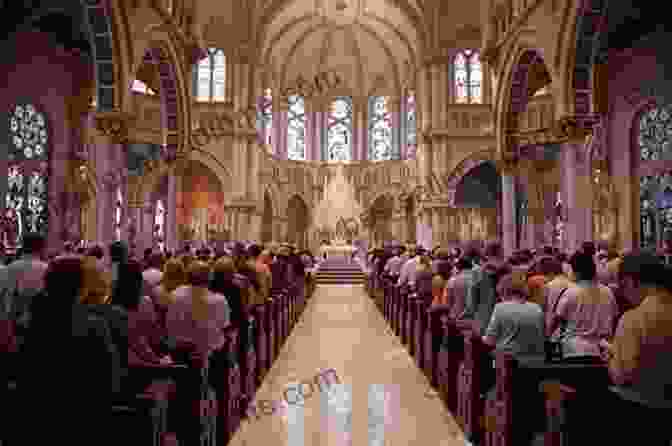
<point x="114" y="124"/>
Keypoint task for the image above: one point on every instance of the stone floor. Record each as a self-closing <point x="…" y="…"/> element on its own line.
<point x="384" y="400"/>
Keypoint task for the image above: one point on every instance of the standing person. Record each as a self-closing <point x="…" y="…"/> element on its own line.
<point x="24" y="279"/>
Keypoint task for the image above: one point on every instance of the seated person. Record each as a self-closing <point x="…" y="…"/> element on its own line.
<point x="69" y="360"/>
<point x="198" y="314"/>
<point x="639" y="354"/>
<point x="584" y="314"/>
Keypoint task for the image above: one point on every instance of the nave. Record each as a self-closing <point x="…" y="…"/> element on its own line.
<point x="342" y="329"/>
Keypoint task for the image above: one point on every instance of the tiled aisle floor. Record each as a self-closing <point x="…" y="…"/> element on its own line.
<point x="342" y="329"/>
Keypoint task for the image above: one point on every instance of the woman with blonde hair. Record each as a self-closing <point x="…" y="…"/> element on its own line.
<point x="96" y="282"/>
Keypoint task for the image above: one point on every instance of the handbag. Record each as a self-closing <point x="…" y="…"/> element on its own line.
<point x="553" y="346"/>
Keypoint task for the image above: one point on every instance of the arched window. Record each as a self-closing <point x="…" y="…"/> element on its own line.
<point x="468" y="77"/>
<point x="380" y="129"/>
<point x="160" y="224"/>
<point x="27" y="174"/>
<point x="339" y="130"/>
<point x="141" y="87"/>
<point x="654" y="143"/>
<point x="296" y="129"/>
<point x="118" y="211"/>
<point x="210" y="77"/>
<point x="411" y="130"/>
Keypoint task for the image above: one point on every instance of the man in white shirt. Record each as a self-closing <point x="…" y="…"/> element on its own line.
<point x="23" y="279"/>
<point x="152" y="275"/>
<point x="408" y="270"/>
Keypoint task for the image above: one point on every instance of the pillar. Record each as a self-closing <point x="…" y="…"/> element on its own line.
<point x="508" y="213"/>
<point x="171" y="212"/>
<point x="576" y="194"/>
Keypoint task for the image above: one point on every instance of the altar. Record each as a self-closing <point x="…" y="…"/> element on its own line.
<point x="337" y="249"/>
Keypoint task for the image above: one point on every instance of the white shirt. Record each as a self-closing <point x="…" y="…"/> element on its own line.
<point x="408" y="271"/>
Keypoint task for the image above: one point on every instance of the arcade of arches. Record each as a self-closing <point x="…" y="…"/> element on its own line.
<point x="450" y="111"/>
<point x="174" y="122"/>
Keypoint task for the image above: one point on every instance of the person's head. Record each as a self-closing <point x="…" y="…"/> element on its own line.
<point x="155" y="260"/>
<point x="513" y="285"/>
<point x="442" y="254"/>
<point x="547" y="251"/>
<point x="494" y="250"/>
<point x="412" y="250"/>
<point x="96" y="282"/>
<point x="640" y="271"/>
<point x="254" y="251"/>
<point x="34" y="243"/>
<point x="118" y="252"/>
<point x="464" y="263"/>
<point x="63" y="282"/>
<point x="187" y="259"/>
<point x="266" y="257"/>
<point x="147" y="253"/>
<point x="438" y="283"/>
<point x="174" y="275"/>
<point x="588" y="248"/>
<point x="583" y="266"/>
<point x="222" y="277"/>
<point x="127" y="292"/>
<point x="68" y="247"/>
<point x="550" y="266"/>
<point x="198" y="274"/>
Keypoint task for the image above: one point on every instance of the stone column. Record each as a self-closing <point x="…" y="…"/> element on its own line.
<point x="146" y="233"/>
<point x="436" y="227"/>
<point x="395" y="114"/>
<point x="577" y="195"/>
<point x="508" y="213"/>
<point x="171" y="211"/>
<point x="436" y="95"/>
<point x="443" y="97"/>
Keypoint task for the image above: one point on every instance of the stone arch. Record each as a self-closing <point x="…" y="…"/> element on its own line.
<point x="380" y="215"/>
<point x="298" y="221"/>
<point x="480" y="187"/>
<point x="100" y="24"/>
<point x="525" y="72"/>
<point x="463" y="168"/>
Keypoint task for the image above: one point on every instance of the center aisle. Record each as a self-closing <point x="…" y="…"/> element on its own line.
<point x="342" y="329"/>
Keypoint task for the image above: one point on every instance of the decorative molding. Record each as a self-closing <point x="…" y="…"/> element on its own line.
<point x="114" y="124"/>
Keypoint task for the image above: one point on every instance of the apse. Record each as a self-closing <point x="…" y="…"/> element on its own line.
<point x="200" y="202"/>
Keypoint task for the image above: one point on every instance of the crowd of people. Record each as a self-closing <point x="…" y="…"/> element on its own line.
<point x="80" y="319"/>
<point x="594" y="307"/>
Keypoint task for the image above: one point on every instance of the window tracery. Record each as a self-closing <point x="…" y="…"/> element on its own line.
<point x="27" y="174"/>
<point x="380" y="129"/>
<point x="210" y="77"/>
<point x="267" y="116"/>
<point x="296" y="128"/>
<point x="468" y="77"/>
<point x="411" y="129"/>
<point x="160" y="224"/>
<point x="118" y="211"/>
<point x="655" y="188"/>
<point x="339" y="130"/>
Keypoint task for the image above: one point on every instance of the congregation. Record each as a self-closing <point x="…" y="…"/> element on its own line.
<point x="596" y="323"/>
<point x="86" y="331"/>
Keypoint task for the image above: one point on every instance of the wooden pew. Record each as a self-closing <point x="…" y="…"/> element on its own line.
<point x="228" y="389"/>
<point x="261" y="343"/>
<point x="270" y="328"/>
<point x="470" y="405"/>
<point x="510" y="419"/>
<point x="448" y="358"/>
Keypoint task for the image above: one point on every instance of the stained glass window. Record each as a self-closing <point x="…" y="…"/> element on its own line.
<point x="267" y="116"/>
<point x="27" y="174"/>
<point x="160" y="224"/>
<point x="210" y="77"/>
<point x="468" y="77"/>
<point x="339" y="130"/>
<point x="118" y="209"/>
<point x="411" y="130"/>
<point x="655" y="134"/>
<point x="141" y="87"/>
<point x="296" y="129"/>
<point x="380" y="129"/>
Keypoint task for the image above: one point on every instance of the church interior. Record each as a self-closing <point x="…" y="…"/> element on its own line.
<point x="328" y="150"/>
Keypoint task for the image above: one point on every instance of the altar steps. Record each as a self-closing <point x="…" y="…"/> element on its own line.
<point x="337" y="271"/>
